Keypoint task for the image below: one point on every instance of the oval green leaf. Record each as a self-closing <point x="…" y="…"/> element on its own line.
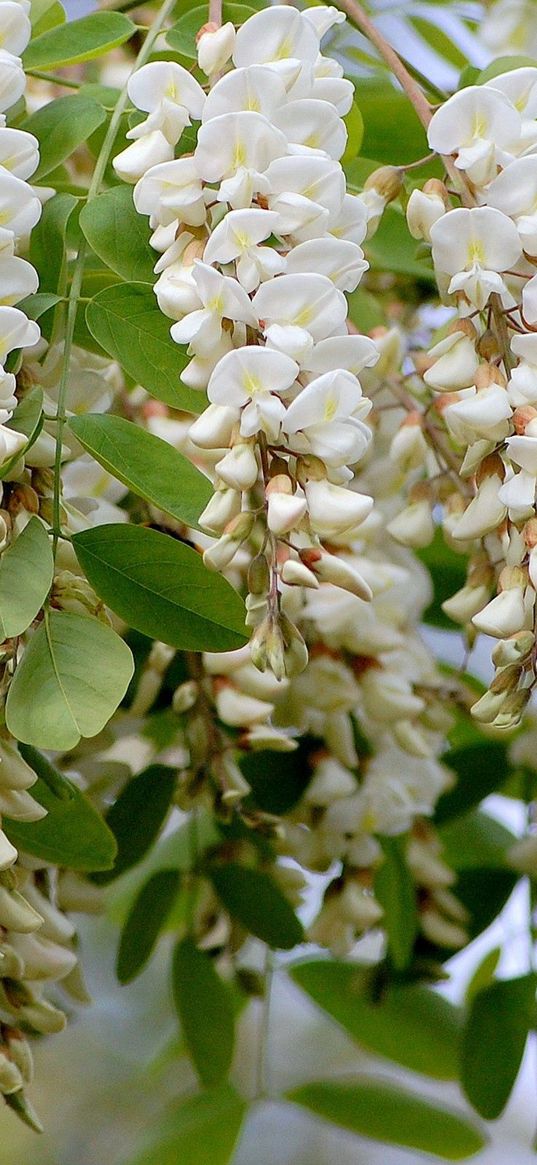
<point x="144" y="923"/>
<point x="138" y="815"/>
<point x="203" y="1130"/>
<point x="72" y="676"/>
<point x="79" y="40"/>
<point x="73" y="833"/>
<point x="150" y="467"/>
<point x="396" y="892"/>
<point x="126" y="321"/>
<point x="254" y="899"/>
<point x="26" y="572"/>
<point x="494" y="1038"/>
<point x="411" y="1024"/>
<point x="160" y="586"/>
<point x="384" y="1112"/>
<point x="60" y="127"/>
<point x="118" y="234"/>
<point x="205" y="1011"/>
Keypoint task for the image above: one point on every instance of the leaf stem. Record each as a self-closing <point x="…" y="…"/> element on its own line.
<point x="215" y="12"/>
<point x="54" y="78"/>
<point x="79" y="263"/>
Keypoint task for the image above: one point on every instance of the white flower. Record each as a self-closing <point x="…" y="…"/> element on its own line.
<point x="473" y="246"/>
<point x="356" y="218"/>
<point x="307" y="193"/>
<point x="17" y="279"/>
<point x="251" y="378"/>
<point x="309" y="303"/>
<point x="455" y="363"/>
<point x="19" y="152"/>
<point x="504" y="615"/>
<point x="514" y="192"/>
<point x="310" y="124"/>
<point x="169" y="94"/>
<point x="423" y="210"/>
<point x="10" y="443"/>
<point x="529" y="301"/>
<point x="484" y="513"/>
<point x="235" y="149"/>
<point x="237" y="237"/>
<point x="20" y="209"/>
<point x="475" y="123"/>
<point x="414" y="525"/>
<point x="213" y="429"/>
<point x="341" y="261"/>
<point x="169" y="191"/>
<point x="326" y="419"/>
<point x="323" y="17"/>
<point x="354" y="353"/>
<point x="150" y="150"/>
<point x="276" y="35"/>
<point x="518" y="494"/>
<point x="522" y="386"/>
<point x="479" y="414"/>
<point x="334" y="510"/>
<point x="215" y="47"/>
<point x="285" y="509"/>
<point x="15" y="27"/>
<point x="221" y="298"/>
<point x="12" y="80"/>
<point x="16" y="331"/>
<point x="238" y="468"/>
<point x="256" y="88"/>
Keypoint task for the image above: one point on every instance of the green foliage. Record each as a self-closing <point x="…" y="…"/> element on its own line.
<point x="205" y="1009"/>
<point x="396" y="892"/>
<point x="60" y="127"/>
<point x="393" y="249"/>
<point x="145" y="921"/>
<point x="126" y="322"/>
<point x="150" y="467"/>
<point x="448" y="574"/>
<point x="475" y="840"/>
<point x="278" y="779"/>
<point x="137" y="816"/>
<point x="355" y="130"/>
<point x="256" y="901"/>
<point x="504" y="65"/>
<point x="45" y="14"/>
<point x="73" y="833"/>
<point x="409" y="1023"/>
<point x="480" y="769"/>
<point x="28" y="420"/>
<point x="47" y="246"/>
<point x="499" y="1020"/>
<point x="118" y="234"/>
<point x="72" y="676"/>
<point x="182" y="35"/>
<point x="79" y="40"/>
<point x="373" y="1108"/>
<point x="393" y="133"/>
<point x="161" y="587"/>
<point x="203" y="1130"/>
<point x="26" y="571"/>
<point x="483" y="975"/>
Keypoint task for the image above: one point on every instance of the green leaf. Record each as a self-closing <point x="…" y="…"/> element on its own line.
<point x="160" y="586"/>
<point x="34" y="306"/>
<point x="480" y="769"/>
<point x="396" y="893"/>
<point x="145" y="921"/>
<point x="137" y="816"/>
<point x="255" y="900"/>
<point x="26" y="573"/>
<point x="60" y="127"/>
<point x="355" y="130"/>
<point x="203" y="1130"/>
<point x="78" y="40"/>
<point x="392" y="131"/>
<point x="483" y="975"/>
<point x="493" y="1042"/>
<point x="72" y="676"/>
<point x="393" y="249"/>
<point x="118" y="234"/>
<point x="47" y="246"/>
<point x="182" y="35"/>
<point x="484" y="893"/>
<point x="28" y="420"/>
<point x="150" y="467"/>
<point x="205" y="1009"/>
<point x="73" y="833"/>
<point x="448" y="574"/>
<point x="373" y="1108"/>
<point x="411" y="1024"/>
<point x="45" y="14"/>
<point x="504" y="65"/>
<point x="128" y="324"/>
<point x="475" y="840"/>
<point x="278" y="779"/>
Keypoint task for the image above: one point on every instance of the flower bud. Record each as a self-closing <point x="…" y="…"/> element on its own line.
<point x="224" y="505"/>
<point x="484" y="514"/>
<point x="514" y="649"/>
<point x="408" y="449"/>
<point x="503" y="615"/>
<point x="214" y="428"/>
<point x="466" y="603"/>
<point x="387" y="181"/>
<point x="414" y="525"/>
<point x="455" y="362"/>
<point x="295" y="573"/>
<point x="334" y="510"/>
<point x="285" y="508"/>
<point x="133" y="162"/>
<point x="239" y="710"/>
<point x="215" y="47"/>
<point x="487" y="707"/>
<point x="329" y="568"/>
<point x="258" y="575"/>
<point x="185" y="696"/>
<point x="238" y="468"/>
<point x="425" y="207"/>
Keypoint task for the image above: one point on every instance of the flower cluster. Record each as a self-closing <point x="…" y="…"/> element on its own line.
<point x="481" y="376"/>
<point x="259" y="242"/>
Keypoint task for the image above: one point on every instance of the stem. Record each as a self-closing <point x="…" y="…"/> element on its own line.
<point x="53" y="78"/>
<point x="388" y="54"/>
<point x="262" y="1074"/>
<point x="79" y="263"/>
<point x="215" y="12"/>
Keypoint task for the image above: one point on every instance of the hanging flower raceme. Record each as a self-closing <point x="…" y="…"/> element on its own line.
<point x="259" y="243"/>
<point x="481" y="415"/>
